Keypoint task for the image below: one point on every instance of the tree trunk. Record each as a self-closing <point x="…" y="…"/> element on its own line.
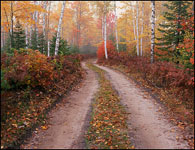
<point x="35" y="29"/>
<point x="48" y="22"/>
<point x="44" y="34"/>
<point x="134" y="28"/>
<point x="12" y="25"/>
<point x="152" y="31"/>
<point x="48" y="49"/>
<point x="31" y="28"/>
<point x="2" y="38"/>
<point x="106" y="55"/>
<point x="137" y="28"/>
<point x="59" y="28"/>
<point x="26" y="34"/>
<point x="102" y="27"/>
<point x="142" y="30"/>
<point x="116" y="27"/>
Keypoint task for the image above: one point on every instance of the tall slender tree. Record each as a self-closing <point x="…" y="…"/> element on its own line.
<point x="116" y="27"/>
<point x="152" y="31"/>
<point x="142" y="30"/>
<point x="59" y="28"/>
<point x="105" y="13"/>
<point x="137" y="27"/>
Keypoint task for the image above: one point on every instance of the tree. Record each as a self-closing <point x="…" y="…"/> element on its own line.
<point x="137" y="28"/>
<point x="105" y="48"/>
<point x="116" y="27"/>
<point x="63" y="49"/>
<point x="142" y="29"/>
<point x="18" y="37"/>
<point x="59" y="28"/>
<point x="152" y="31"/>
<point x="172" y="31"/>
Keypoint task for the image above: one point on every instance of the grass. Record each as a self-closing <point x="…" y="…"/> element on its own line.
<point x="108" y="127"/>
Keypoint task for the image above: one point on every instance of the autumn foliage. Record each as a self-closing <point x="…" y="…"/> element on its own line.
<point x="161" y="74"/>
<point x="33" y="83"/>
<point x="101" y="50"/>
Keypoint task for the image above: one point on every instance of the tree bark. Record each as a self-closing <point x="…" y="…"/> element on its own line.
<point x="26" y="34"/>
<point x="106" y="55"/>
<point x="134" y="28"/>
<point x="142" y="30"/>
<point x="44" y="34"/>
<point x="48" y="49"/>
<point x="152" y="31"/>
<point x="137" y="28"/>
<point x="59" y="28"/>
<point x="48" y="25"/>
<point x="12" y="24"/>
<point x="116" y="27"/>
<point x="35" y="29"/>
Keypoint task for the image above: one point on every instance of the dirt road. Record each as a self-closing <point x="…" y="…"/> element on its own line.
<point x="148" y="127"/>
<point x="67" y="120"/>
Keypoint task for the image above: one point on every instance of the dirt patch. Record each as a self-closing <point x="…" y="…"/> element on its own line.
<point x="149" y="127"/>
<point x="67" y="121"/>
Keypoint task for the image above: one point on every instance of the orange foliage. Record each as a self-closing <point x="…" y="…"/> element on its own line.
<point x="101" y="50"/>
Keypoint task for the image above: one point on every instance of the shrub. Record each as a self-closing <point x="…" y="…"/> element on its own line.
<point x="101" y="51"/>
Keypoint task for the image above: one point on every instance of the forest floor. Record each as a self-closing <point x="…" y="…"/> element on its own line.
<point x="148" y="124"/>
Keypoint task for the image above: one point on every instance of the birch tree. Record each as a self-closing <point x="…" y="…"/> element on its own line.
<point x="152" y="31"/>
<point x="116" y="27"/>
<point x="44" y="33"/>
<point x="141" y="46"/>
<point x="134" y="28"/>
<point x="137" y="28"/>
<point x="36" y="28"/>
<point x="48" y="48"/>
<point x="26" y="34"/>
<point x="105" y="48"/>
<point x="59" y="28"/>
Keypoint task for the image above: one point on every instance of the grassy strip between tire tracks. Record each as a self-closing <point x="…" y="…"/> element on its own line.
<point x="108" y="127"/>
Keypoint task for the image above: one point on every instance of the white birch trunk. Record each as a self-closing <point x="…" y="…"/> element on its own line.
<point x="102" y="27"/>
<point x="137" y="28"/>
<point x="59" y="28"/>
<point x="36" y="30"/>
<point x="105" y="48"/>
<point x="44" y="33"/>
<point x="152" y="31"/>
<point x="26" y="34"/>
<point x="116" y="27"/>
<point x="142" y="30"/>
<point x="31" y="28"/>
<point x="134" y="28"/>
<point x="48" y="50"/>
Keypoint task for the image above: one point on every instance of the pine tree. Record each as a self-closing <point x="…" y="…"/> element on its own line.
<point x="41" y="43"/>
<point x="172" y="31"/>
<point x="18" y="37"/>
<point x="64" y="48"/>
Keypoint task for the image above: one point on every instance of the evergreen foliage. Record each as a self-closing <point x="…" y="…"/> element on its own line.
<point x="19" y="37"/>
<point x="64" y="48"/>
<point x="172" y="31"/>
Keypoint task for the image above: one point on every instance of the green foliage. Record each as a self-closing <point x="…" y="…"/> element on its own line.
<point x="64" y="48"/>
<point x="4" y="84"/>
<point x="42" y="44"/>
<point x="18" y="37"/>
<point x="34" y="41"/>
<point x="74" y="49"/>
<point x="122" y="47"/>
<point x="173" y="33"/>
